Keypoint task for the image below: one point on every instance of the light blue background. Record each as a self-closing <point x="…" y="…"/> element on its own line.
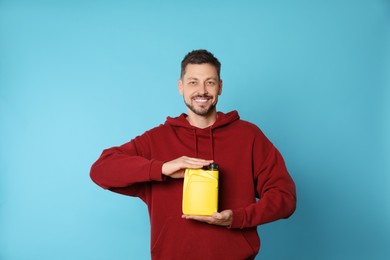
<point x="80" y="76"/>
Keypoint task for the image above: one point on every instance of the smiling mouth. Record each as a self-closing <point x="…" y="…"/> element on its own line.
<point x="201" y="99"/>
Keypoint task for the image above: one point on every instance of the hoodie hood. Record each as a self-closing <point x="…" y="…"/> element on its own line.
<point x="222" y="120"/>
<point x="182" y="123"/>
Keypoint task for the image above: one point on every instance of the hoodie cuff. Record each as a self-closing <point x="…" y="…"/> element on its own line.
<point x="238" y="217"/>
<point x="155" y="173"/>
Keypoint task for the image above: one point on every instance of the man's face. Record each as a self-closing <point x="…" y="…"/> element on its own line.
<point x="200" y="87"/>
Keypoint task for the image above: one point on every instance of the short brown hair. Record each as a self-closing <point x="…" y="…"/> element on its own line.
<point x="200" y="57"/>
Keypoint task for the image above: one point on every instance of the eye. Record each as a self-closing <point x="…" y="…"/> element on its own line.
<point x="192" y="83"/>
<point x="211" y="83"/>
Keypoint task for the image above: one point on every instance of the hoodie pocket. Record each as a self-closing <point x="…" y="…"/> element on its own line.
<point x="252" y="239"/>
<point x="164" y="234"/>
<point x="180" y="238"/>
<point x="167" y="239"/>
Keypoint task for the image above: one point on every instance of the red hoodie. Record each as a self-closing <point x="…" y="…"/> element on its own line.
<point x="250" y="167"/>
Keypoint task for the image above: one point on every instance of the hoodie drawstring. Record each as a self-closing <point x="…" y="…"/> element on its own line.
<point x="196" y="143"/>
<point x="211" y="143"/>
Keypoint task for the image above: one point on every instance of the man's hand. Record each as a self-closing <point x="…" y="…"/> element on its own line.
<point x="176" y="168"/>
<point x="223" y="218"/>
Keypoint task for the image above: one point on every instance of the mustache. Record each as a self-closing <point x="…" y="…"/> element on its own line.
<point x="202" y="96"/>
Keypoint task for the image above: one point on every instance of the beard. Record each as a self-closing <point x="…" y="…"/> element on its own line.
<point x="203" y="110"/>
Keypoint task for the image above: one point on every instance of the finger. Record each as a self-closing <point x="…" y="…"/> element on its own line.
<point x="177" y="175"/>
<point x="218" y="216"/>
<point x="208" y="220"/>
<point x="196" y="163"/>
<point x="199" y="218"/>
<point x="193" y="159"/>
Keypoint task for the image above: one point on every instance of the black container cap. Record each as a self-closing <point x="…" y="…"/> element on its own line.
<point x="213" y="166"/>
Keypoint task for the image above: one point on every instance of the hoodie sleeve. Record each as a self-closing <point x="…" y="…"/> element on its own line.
<point x="127" y="169"/>
<point x="274" y="187"/>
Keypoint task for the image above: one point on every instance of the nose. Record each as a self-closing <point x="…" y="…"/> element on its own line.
<point x="203" y="89"/>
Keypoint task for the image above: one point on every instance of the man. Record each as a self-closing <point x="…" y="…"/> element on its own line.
<point x="151" y="167"/>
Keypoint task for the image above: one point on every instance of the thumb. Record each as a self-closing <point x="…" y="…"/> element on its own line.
<point x="217" y="215"/>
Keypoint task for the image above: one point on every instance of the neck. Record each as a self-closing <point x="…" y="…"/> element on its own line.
<point x="202" y="121"/>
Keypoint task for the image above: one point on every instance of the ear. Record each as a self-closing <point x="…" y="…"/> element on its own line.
<point x="180" y="86"/>
<point x="220" y="87"/>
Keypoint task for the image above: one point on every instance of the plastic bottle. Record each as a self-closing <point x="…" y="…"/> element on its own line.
<point x="200" y="191"/>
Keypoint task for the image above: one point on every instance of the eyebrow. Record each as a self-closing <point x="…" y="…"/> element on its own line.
<point x="193" y="78"/>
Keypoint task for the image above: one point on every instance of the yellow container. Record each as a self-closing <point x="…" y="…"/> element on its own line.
<point x="200" y="191"/>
